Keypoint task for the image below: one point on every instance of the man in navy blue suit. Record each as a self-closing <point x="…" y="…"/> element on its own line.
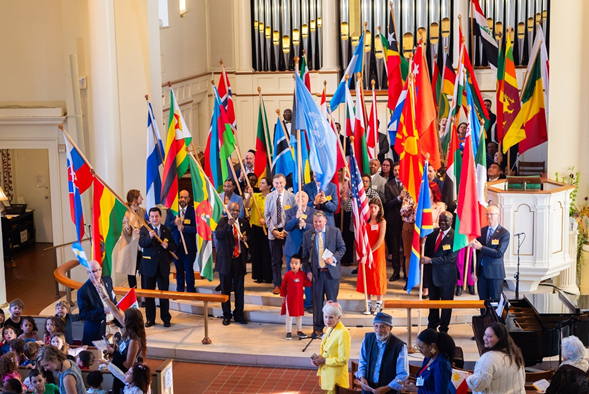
<point x="185" y="223"/>
<point x="93" y="311"/>
<point x="326" y="201"/>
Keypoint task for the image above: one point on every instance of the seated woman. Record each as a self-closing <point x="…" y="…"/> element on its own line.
<point x="572" y="376"/>
<point x="500" y="370"/>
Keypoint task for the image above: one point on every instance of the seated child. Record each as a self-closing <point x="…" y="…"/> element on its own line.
<point x="137" y="379"/>
<point x="16" y="308"/>
<point x="18" y="347"/>
<point x="9" y="367"/>
<point x="94" y="380"/>
<point x="53" y="325"/>
<point x="30" y="332"/>
<point x="13" y="386"/>
<point x="85" y="359"/>
<point x="31" y="351"/>
<point x="58" y="340"/>
<point x="40" y="385"/>
<point x="2" y="317"/>
<point x="8" y="334"/>
<point x="62" y="311"/>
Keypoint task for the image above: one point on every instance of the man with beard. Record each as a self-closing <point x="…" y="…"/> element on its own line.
<point x="383" y="364"/>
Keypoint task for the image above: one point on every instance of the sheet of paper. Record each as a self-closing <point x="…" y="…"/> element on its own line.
<point x="326" y="254"/>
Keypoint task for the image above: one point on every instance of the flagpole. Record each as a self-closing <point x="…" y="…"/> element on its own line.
<point x="265" y="126"/>
<point x="526" y="78"/>
<point x="375" y="122"/>
<point x="157" y="143"/>
<point x="466" y="262"/>
<point x="298" y="131"/>
<point x="394" y="25"/>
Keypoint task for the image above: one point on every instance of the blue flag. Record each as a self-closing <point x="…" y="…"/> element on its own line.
<point x="474" y="126"/>
<point x="155" y="158"/>
<point x="355" y="66"/>
<point x="80" y="254"/>
<point x="322" y="139"/>
<point x="283" y="162"/>
<point x="305" y="169"/>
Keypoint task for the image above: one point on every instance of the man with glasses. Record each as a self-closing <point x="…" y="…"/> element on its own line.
<point x="491" y="246"/>
<point x="95" y="313"/>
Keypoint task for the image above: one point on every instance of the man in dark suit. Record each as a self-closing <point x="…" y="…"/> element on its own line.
<point x="155" y="265"/>
<point x="185" y="223"/>
<point x="231" y="261"/>
<point x="438" y="253"/>
<point x="93" y="311"/>
<point x="323" y="249"/>
<point x="393" y="201"/>
<point x="326" y="201"/>
<point x="491" y="246"/>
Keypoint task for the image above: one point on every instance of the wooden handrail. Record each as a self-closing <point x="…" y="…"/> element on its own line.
<point x="61" y="277"/>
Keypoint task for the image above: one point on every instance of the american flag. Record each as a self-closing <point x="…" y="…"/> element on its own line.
<point x="361" y="214"/>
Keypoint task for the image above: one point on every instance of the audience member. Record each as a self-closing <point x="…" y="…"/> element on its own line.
<point x="2" y="318"/>
<point x="8" y="334"/>
<point x="383" y="364"/>
<point x="335" y="350"/>
<point x="434" y="376"/>
<point x="292" y="292"/>
<point x="344" y="223"/>
<point x="376" y="180"/>
<point x="58" y="340"/>
<point x="500" y="370"/>
<point x="492" y="148"/>
<point x="572" y="375"/>
<point x="62" y="310"/>
<point x="432" y="176"/>
<point x="260" y="255"/>
<point x="386" y="170"/>
<point x="393" y="202"/>
<point x="13" y="386"/>
<point x="494" y="172"/>
<point x="136" y="380"/>
<point x="31" y="351"/>
<point x="322" y="200"/>
<point x="16" y="307"/>
<point x="18" y="347"/>
<point x="29" y="329"/>
<point x="70" y="377"/>
<point x="229" y="195"/>
<point x="85" y="359"/>
<point x="54" y="325"/>
<point x="9" y="368"/>
<point x="39" y="383"/>
<point x="129" y="256"/>
<point x="94" y="380"/>
<point x="489" y="125"/>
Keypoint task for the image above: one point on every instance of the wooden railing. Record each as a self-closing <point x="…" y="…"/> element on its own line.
<point x="62" y="276"/>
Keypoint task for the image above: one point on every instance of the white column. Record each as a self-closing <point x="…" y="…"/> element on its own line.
<point x="242" y="36"/>
<point x="331" y="36"/>
<point x="567" y="279"/>
<point x="155" y="60"/>
<point x="105" y="95"/>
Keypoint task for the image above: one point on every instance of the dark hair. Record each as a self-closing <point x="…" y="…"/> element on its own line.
<point x="141" y="376"/>
<point x="29" y="319"/>
<point x="132" y="195"/>
<point x="253" y="151"/>
<point x="460" y="124"/>
<point x="296" y="256"/>
<point x="17" y="345"/>
<point x="155" y="209"/>
<point x="444" y="341"/>
<point x="231" y="180"/>
<point x="86" y="358"/>
<point x="506" y="345"/>
<point x="7" y="328"/>
<point x="267" y="179"/>
<point x="13" y="385"/>
<point x="365" y="175"/>
<point x="377" y="202"/>
<point x="34" y="372"/>
<point x="395" y="164"/>
<point x="94" y="379"/>
<point x="391" y="162"/>
<point x="57" y="322"/>
<point x="489" y="100"/>
<point x="17" y="302"/>
<point x="135" y="328"/>
<point x="31" y="349"/>
<point x="435" y="191"/>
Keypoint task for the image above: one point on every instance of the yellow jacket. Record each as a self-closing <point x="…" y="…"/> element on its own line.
<point x="335" y="348"/>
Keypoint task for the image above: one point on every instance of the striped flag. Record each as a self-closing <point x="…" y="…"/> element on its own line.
<point x="361" y="149"/>
<point x="107" y="223"/>
<point x="79" y="180"/>
<point x="361" y="214"/>
<point x="372" y="140"/>
<point x="155" y="158"/>
<point x="208" y="210"/>
<point x="283" y="162"/>
<point x="393" y="126"/>
<point x="263" y="147"/>
<point x="226" y="136"/>
<point x="305" y="72"/>
<point x="128" y="301"/>
<point x="393" y="65"/>
<point x="423" y="227"/>
<point x="481" y="29"/>
<point x="355" y="66"/>
<point x="227" y="98"/>
<point x="212" y="164"/>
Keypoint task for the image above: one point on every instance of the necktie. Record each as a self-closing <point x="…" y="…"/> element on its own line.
<point x="182" y="213"/>
<point x="157" y="231"/>
<point x="236" y="251"/>
<point x="489" y="234"/>
<point x="439" y="240"/>
<point x="321" y="250"/>
<point x="278" y="211"/>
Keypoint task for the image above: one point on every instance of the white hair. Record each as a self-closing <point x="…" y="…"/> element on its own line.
<point x="573" y="349"/>
<point x="332" y="309"/>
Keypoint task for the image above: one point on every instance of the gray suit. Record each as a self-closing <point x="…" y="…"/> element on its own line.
<point x="325" y="280"/>
<point x="276" y="245"/>
<point x="378" y="183"/>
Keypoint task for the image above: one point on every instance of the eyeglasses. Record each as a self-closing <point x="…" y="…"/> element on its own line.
<point x="94" y="271"/>
<point x="491" y="214"/>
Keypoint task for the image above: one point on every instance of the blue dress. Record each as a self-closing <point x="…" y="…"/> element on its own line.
<point x="436" y="377"/>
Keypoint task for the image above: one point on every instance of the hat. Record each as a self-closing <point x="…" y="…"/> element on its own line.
<point x="383" y="318"/>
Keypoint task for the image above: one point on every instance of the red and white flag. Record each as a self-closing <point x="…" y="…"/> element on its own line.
<point x="128" y="301"/>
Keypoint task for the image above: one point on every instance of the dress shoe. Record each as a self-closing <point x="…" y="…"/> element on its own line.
<point x="276" y="290"/>
<point x="226" y="322"/>
<point x="302" y="335"/>
<point x="241" y="321"/>
<point x="167" y="324"/>
<point x="309" y="309"/>
<point x="218" y="288"/>
<point x="142" y="304"/>
<point x="471" y="289"/>
<point x="258" y="281"/>
<point x="394" y="277"/>
<point x="355" y="271"/>
<point x="425" y="296"/>
<point x="458" y="291"/>
<point x="149" y="324"/>
<point x="405" y="287"/>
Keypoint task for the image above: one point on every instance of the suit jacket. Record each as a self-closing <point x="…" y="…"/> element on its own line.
<point x="392" y="206"/>
<point x="333" y="241"/>
<point x="189" y="232"/>
<point x="492" y="255"/>
<point x="226" y="243"/>
<point x="330" y="206"/>
<point x="92" y="310"/>
<point x="288" y="201"/>
<point x="154" y="255"/>
<point x="378" y="183"/>
<point x="294" y="238"/>
<point x="444" y="270"/>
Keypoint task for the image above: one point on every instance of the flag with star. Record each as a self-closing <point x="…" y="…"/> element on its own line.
<point x="393" y="65"/>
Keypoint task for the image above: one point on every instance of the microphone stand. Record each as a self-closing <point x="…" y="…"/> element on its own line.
<point x="516" y="276"/>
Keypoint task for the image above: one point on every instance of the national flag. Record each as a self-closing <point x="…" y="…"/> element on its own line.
<point x="393" y="65"/>
<point x="107" y="223"/>
<point x="226" y="137"/>
<point x="176" y="160"/>
<point x="360" y="146"/>
<point x="457" y="98"/>
<point x="393" y="125"/>
<point x="458" y="383"/>
<point x="350" y="114"/>
<point x="79" y="179"/>
<point x="481" y="171"/>
<point x="80" y="254"/>
<point x="304" y="157"/>
<point x="155" y="158"/>
<point x="508" y="102"/>
<point x="322" y="141"/>
<point x="426" y="117"/>
<point x="341" y="161"/>
<point x="208" y="210"/>
<point x="372" y="140"/>
<point x="283" y="162"/>
<point x="443" y="85"/>
<point x="424" y="225"/>
<point x="226" y="97"/>
<point x="540" y="45"/>
<point x="529" y="127"/>
<point x="355" y="66"/>
<point x="128" y="301"/>
<point x="263" y="148"/>
<point x="212" y="165"/>
<point x="361" y="214"/>
<point x="481" y="29"/>
<point x="305" y="72"/>
<point x="323" y="103"/>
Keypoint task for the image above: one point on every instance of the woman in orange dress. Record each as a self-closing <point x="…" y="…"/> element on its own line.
<point x="376" y="276"/>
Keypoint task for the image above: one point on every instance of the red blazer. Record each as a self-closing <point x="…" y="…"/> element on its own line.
<point x="293" y="288"/>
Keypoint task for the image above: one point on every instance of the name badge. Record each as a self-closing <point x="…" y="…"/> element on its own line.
<point x="374" y="227"/>
<point x="494" y="242"/>
<point x="303" y="216"/>
<point x="287" y="207"/>
<point x="446" y="247"/>
<point x="419" y="381"/>
<point x="186" y="221"/>
<point x="147" y="257"/>
<point x="328" y="198"/>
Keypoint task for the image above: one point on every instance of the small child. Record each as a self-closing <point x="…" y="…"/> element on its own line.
<point x="53" y="325"/>
<point x="30" y="332"/>
<point x="8" y="334"/>
<point x="137" y="379"/>
<point x="94" y="380"/>
<point x="58" y="340"/>
<point x="13" y="386"/>
<point x="16" y="307"/>
<point x="9" y="368"/>
<point x="40" y="385"/>
<point x="85" y="359"/>
<point x="62" y="311"/>
<point x="31" y="352"/>
<point x="292" y="292"/>
<point x="18" y="347"/>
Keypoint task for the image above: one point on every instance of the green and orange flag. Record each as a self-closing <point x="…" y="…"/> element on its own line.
<point x="508" y="103"/>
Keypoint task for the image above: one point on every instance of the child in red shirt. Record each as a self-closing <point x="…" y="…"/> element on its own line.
<point x="292" y="292"/>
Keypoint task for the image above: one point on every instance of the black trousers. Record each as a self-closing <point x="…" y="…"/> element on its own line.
<point x="348" y="237"/>
<point x="236" y="278"/>
<point x="260" y="253"/>
<point x="440" y="293"/>
<point x="276" y="250"/>
<point x="393" y="240"/>
<point x="323" y="287"/>
<point x="163" y="283"/>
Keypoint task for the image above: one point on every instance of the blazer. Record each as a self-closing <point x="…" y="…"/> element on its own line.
<point x="444" y="269"/>
<point x="378" y="183"/>
<point x="92" y="310"/>
<point x="226" y="243"/>
<point x="154" y="255"/>
<point x="333" y="241"/>
<point x="294" y="237"/>
<point x="288" y="201"/>
<point x="335" y="348"/>
<point x="189" y="232"/>
<point x="330" y="206"/>
<point x="392" y="205"/>
<point x="491" y="255"/>
<point x="436" y="377"/>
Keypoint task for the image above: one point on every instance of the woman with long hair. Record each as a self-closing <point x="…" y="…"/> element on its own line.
<point x="129" y="250"/>
<point x="70" y="378"/>
<point x="500" y="370"/>
<point x="375" y="273"/>
<point x="386" y="168"/>
<point x="260" y="254"/>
